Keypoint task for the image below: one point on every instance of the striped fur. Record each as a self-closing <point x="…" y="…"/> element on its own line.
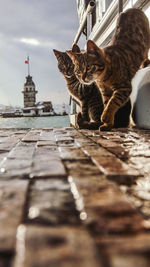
<point x="88" y="96"/>
<point x="113" y="67"/>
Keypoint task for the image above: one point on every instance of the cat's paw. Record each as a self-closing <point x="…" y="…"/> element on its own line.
<point x="79" y="117"/>
<point x="80" y="120"/>
<point x="106" y="127"/>
<point x="107" y="118"/>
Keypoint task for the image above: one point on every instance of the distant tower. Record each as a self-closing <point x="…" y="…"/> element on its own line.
<point x="29" y="91"/>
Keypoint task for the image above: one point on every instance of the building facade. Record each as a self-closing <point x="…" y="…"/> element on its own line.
<point x="101" y="22"/>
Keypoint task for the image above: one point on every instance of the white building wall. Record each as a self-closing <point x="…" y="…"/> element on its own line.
<point x="32" y="113"/>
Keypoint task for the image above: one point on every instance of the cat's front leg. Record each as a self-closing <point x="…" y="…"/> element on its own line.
<point x="83" y="116"/>
<point x="84" y="112"/>
<point x="119" y="98"/>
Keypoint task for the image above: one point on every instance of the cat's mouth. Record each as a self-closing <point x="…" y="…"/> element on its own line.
<point x="68" y="76"/>
<point x="86" y="82"/>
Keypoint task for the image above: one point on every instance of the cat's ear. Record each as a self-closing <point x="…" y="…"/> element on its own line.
<point x="92" y="47"/>
<point x="57" y="53"/>
<point x="72" y="55"/>
<point x="75" y="48"/>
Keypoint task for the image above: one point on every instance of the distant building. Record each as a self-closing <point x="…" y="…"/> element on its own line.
<point x="43" y="108"/>
<point x="31" y="107"/>
<point x="29" y="92"/>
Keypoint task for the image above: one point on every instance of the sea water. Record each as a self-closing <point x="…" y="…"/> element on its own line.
<point x="35" y="122"/>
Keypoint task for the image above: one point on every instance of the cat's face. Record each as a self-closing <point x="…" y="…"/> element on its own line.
<point x="89" y="65"/>
<point x="65" y="64"/>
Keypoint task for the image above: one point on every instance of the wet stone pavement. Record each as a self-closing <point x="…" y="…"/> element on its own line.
<point x="74" y="198"/>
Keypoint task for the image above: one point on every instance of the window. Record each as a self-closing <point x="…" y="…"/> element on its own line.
<point x="46" y="109"/>
<point x="26" y="111"/>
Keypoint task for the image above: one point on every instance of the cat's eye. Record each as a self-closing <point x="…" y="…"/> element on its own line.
<point x="99" y="67"/>
<point x="93" y="68"/>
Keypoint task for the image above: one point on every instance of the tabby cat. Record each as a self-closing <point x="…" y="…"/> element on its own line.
<point x="114" y="66"/>
<point x="88" y="96"/>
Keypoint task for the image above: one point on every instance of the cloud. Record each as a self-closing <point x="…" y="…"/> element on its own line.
<point x="30" y="41"/>
<point x="35" y="42"/>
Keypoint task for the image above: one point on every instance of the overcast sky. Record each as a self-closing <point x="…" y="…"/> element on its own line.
<point x="34" y="27"/>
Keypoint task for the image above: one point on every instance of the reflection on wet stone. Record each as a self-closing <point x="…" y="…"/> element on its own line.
<point x="15" y="167"/>
<point x="48" y="168"/>
<point x="51" y="202"/>
<point x="12" y="199"/>
<point x="63" y="246"/>
<point x="115" y="169"/>
<point x="81" y="169"/>
<point x="72" y="154"/>
<point x="96" y="151"/>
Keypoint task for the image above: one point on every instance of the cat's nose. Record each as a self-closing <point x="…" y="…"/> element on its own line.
<point x="84" y="76"/>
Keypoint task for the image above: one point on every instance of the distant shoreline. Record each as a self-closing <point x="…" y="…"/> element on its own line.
<point x="20" y="116"/>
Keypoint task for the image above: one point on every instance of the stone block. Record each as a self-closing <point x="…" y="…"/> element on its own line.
<point x="52" y="203"/>
<point x="68" y="153"/>
<point x="49" y="168"/>
<point x="129" y="259"/>
<point x="32" y="136"/>
<point x="63" y="246"/>
<point x="46" y="143"/>
<point x="115" y="169"/>
<point x="15" y="167"/>
<point x="47" y="136"/>
<point x="64" y="140"/>
<point x="61" y="137"/>
<point x="44" y="153"/>
<point x="138" y="243"/>
<point x="108" y="209"/>
<point x="81" y="142"/>
<point x="96" y="150"/>
<point x="22" y="151"/>
<point x="12" y="199"/>
<point x="6" y="146"/>
<point x="82" y="169"/>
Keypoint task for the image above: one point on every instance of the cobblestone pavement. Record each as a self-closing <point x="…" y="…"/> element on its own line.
<point x="74" y="198"/>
